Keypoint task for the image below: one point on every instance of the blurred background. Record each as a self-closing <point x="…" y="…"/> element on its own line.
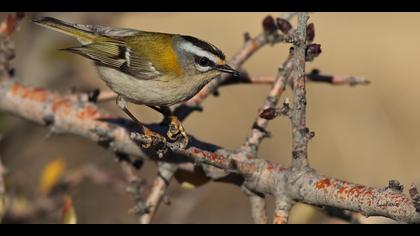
<point x="364" y="134"/>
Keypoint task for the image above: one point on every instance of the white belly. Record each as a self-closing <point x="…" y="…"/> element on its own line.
<point x="153" y="92"/>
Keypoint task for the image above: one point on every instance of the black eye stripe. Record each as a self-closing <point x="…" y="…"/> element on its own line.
<point x="204" y="61"/>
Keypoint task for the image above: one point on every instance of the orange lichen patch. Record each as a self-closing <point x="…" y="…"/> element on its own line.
<point x="397" y="198"/>
<point x="15" y="89"/>
<point x="279" y="219"/>
<point x="270" y="167"/>
<point x="280" y="168"/>
<point x="63" y="105"/>
<point x="358" y="189"/>
<point x="36" y="94"/>
<point x="88" y="112"/>
<point x="323" y="183"/>
<point x="368" y="192"/>
<point x="216" y="158"/>
<point x="342" y="190"/>
<point x="9" y="25"/>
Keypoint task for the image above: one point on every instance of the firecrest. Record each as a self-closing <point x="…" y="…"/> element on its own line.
<point x="149" y="68"/>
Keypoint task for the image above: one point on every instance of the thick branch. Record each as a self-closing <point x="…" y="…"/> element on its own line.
<point x="316" y="189"/>
<point x="67" y="116"/>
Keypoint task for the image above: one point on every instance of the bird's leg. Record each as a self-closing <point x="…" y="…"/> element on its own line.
<point x="175" y="129"/>
<point x="152" y="136"/>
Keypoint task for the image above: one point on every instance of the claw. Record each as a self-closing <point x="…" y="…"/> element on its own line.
<point x="176" y="130"/>
<point x="155" y="139"/>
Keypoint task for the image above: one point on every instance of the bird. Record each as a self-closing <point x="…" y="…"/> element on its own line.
<point x="147" y="68"/>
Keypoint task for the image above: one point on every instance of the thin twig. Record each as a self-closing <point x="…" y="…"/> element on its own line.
<point x="165" y="173"/>
<point x="258" y="131"/>
<point x="315" y="76"/>
<point x="300" y="133"/>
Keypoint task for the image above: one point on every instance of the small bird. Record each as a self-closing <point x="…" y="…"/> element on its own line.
<point x="148" y="68"/>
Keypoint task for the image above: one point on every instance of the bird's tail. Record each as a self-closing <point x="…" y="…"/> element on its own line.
<point x="81" y="32"/>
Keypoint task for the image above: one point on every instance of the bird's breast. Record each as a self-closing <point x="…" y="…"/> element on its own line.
<point x="161" y="91"/>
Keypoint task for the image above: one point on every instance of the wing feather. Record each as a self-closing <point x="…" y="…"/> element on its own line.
<point x="118" y="55"/>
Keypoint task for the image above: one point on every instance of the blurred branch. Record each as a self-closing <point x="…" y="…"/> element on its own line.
<point x="23" y="210"/>
<point x="345" y="215"/>
<point x="92" y="174"/>
<point x="7" y="48"/>
<point x="2" y="190"/>
<point x="9" y="25"/>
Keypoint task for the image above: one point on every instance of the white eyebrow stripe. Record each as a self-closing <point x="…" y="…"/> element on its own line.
<point x="187" y="46"/>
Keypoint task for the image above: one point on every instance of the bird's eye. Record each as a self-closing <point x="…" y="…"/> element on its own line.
<point x="204" y="61"/>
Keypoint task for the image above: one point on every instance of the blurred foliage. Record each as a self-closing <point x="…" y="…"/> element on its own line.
<point x="50" y="176"/>
<point x="3" y="123"/>
<point x="68" y="211"/>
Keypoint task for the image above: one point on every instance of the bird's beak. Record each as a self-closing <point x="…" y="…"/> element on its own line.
<point x="227" y="69"/>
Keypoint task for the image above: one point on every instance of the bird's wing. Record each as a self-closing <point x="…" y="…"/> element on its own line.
<point x="118" y="55"/>
<point x="108" y="31"/>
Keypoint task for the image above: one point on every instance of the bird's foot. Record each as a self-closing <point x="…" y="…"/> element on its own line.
<point x="176" y="131"/>
<point x="156" y="140"/>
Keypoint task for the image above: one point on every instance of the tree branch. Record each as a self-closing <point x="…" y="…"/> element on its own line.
<point x="165" y="173"/>
<point x="300" y="133"/>
<point x="282" y="210"/>
<point x="81" y="118"/>
<point x="313" y="77"/>
<point x="258" y="206"/>
<point x="316" y="189"/>
<point x="268" y="109"/>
